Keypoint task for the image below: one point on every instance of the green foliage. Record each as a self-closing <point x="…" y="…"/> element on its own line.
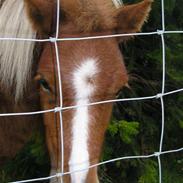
<point x="181" y="124"/>
<point x="143" y="58"/>
<point x="150" y="173"/>
<point x="32" y="161"/>
<point x="126" y="130"/>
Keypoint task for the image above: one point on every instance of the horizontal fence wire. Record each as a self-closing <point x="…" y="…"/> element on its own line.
<point x="60" y="109"/>
<point x="156" y="154"/>
<point x="51" y="39"/>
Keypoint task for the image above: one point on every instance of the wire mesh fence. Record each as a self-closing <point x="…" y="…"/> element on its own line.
<point x="59" y="109"/>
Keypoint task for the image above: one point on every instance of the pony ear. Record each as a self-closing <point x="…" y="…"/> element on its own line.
<point x="130" y="18"/>
<point x="41" y="14"/>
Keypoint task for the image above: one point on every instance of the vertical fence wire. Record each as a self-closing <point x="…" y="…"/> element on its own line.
<point x="60" y="91"/>
<point x="163" y="89"/>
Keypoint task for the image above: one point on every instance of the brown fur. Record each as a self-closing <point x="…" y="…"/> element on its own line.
<point x="134" y="17"/>
<point x="89" y="16"/>
<point x="15" y="131"/>
<point x="47" y="71"/>
<point x="81" y="18"/>
<point x="43" y="12"/>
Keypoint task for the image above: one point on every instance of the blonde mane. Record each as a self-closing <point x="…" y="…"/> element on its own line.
<point x="15" y="56"/>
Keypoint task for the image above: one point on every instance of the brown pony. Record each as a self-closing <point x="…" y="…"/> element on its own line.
<point x="91" y="71"/>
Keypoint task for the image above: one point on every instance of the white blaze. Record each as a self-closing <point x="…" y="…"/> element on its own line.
<point x="84" y="89"/>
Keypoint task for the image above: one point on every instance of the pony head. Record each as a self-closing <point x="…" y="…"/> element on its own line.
<point x="91" y="70"/>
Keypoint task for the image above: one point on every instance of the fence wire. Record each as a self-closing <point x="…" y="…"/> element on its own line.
<point x="59" y="109"/>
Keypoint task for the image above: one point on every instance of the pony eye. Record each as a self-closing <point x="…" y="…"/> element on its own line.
<point x="44" y="84"/>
